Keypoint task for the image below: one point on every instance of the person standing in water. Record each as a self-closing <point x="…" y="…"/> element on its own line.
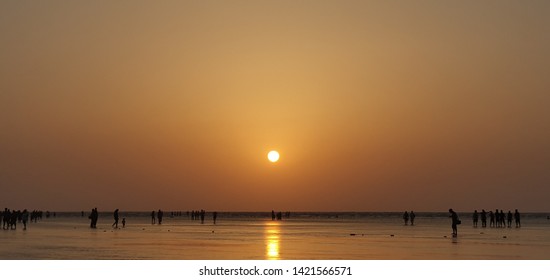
<point x="475" y="218"/>
<point x="153" y="217"/>
<point x="455" y="222"/>
<point x="412" y="215"/>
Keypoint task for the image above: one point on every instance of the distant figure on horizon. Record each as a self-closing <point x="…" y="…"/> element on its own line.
<point x="273" y="215"/>
<point x="6" y="215"/>
<point x="412" y="218"/>
<point x="153" y="217"/>
<point x="123" y="222"/>
<point x="93" y="218"/>
<point x="115" y="215"/>
<point x="13" y="219"/>
<point x="25" y="218"/>
<point x="214" y="216"/>
<point x="159" y="216"/>
<point x="497" y="218"/>
<point x="96" y="217"/>
<point x="491" y="219"/>
<point x="202" y="215"/>
<point x="509" y="217"/>
<point x="475" y="218"/>
<point x="483" y="218"/>
<point x="406" y="217"/>
<point x="517" y="218"/>
<point x="455" y="222"/>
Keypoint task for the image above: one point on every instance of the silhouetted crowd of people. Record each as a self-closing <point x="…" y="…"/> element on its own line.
<point x="10" y="218"/>
<point x="279" y="215"/>
<point x="497" y="219"/>
<point x="198" y="215"/>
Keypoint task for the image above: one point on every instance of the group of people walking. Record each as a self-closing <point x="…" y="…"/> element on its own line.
<point x="10" y="218"/>
<point x="407" y="216"/>
<point x="158" y="215"/>
<point x="497" y="219"/>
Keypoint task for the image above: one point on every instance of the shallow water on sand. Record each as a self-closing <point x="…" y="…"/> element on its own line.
<point x="256" y="236"/>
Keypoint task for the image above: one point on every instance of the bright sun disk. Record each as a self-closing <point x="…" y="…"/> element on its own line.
<point x="273" y="156"/>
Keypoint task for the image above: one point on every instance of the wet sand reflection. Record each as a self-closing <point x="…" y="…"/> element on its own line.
<point x="272" y="240"/>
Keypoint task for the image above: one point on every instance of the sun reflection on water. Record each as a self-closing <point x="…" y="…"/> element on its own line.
<point x="272" y="234"/>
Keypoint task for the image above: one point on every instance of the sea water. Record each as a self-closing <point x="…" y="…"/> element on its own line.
<point x="255" y="236"/>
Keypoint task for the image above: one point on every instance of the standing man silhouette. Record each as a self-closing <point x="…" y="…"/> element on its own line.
<point x="455" y="221"/>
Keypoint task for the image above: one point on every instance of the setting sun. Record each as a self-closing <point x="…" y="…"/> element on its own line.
<point x="273" y="156"/>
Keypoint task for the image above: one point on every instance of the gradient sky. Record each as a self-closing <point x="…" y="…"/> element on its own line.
<point x="373" y="105"/>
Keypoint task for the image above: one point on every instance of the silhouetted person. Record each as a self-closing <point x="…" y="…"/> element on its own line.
<point x="491" y="219"/>
<point x="483" y="218"/>
<point x="455" y="222"/>
<point x="272" y="215"/>
<point x="6" y="220"/>
<point x="94" y="215"/>
<point x="279" y="216"/>
<point x="13" y="219"/>
<point x="517" y="218"/>
<point x="152" y="217"/>
<point x="91" y="219"/>
<point x="82" y="214"/>
<point x="502" y="218"/>
<point x="497" y="218"/>
<point x="214" y="216"/>
<point x="406" y="217"/>
<point x="475" y="217"/>
<point x="25" y="218"/>
<point x="159" y="216"/>
<point x="202" y="216"/>
<point x="115" y="216"/>
<point x="412" y="215"/>
<point x="123" y="222"/>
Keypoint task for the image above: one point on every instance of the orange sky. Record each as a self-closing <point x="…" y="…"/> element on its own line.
<point x="373" y="105"/>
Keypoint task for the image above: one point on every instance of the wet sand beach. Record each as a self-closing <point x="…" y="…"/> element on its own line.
<point x="255" y="236"/>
